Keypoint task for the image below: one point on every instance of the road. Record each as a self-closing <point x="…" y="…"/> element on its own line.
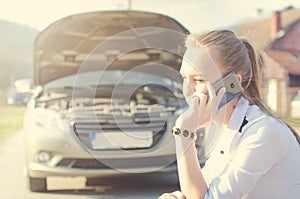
<point x="12" y="181"/>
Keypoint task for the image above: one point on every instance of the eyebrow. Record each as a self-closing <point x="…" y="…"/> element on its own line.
<point x="195" y="75"/>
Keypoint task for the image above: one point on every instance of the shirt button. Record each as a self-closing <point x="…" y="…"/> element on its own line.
<point x="222" y="152"/>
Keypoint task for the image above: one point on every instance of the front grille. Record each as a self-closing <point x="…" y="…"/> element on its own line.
<point x="114" y="117"/>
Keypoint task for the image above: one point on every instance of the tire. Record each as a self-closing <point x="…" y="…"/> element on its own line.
<point x="37" y="184"/>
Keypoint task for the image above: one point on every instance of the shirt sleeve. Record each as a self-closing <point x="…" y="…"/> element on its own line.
<point x="259" y="149"/>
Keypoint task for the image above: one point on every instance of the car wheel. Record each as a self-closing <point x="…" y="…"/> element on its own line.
<point x="37" y="184"/>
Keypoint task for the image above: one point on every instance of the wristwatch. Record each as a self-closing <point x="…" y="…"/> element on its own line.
<point x="184" y="133"/>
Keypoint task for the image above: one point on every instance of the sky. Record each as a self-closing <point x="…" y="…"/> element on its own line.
<point x="195" y="15"/>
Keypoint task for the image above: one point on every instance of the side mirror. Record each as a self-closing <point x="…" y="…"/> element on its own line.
<point x="37" y="91"/>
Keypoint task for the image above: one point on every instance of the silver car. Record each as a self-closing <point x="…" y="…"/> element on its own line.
<point x="107" y="94"/>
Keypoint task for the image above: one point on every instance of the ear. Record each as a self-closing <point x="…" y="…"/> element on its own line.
<point x="239" y="77"/>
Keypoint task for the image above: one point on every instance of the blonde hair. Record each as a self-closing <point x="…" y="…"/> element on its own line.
<point x="238" y="55"/>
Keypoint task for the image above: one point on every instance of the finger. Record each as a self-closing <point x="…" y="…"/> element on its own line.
<point x="167" y="196"/>
<point x="211" y="91"/>
<point x="200" y="100"/>
<point x="220" y="94"/>
<point x="163" y="196"/>
<point x="201" y="96"/>
<point x="196" y="98"/>
<point x="178" y="194"/>
<point x="203" y="102"/>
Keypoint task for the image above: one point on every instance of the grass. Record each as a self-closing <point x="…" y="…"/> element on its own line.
<point x="294" y="122"/>
<point x="11" y="119"/>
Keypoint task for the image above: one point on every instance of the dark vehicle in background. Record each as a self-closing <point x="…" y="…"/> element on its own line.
<point x="18" y="98"/>
<point x="90" y="118"/>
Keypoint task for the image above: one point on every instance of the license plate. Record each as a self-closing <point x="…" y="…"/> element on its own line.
<point x="121" y="140"/>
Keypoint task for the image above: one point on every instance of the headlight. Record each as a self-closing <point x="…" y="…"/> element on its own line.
<point x="48" y="119"/>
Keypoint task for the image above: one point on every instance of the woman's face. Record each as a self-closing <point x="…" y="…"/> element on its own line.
<point x="197" y="69"/>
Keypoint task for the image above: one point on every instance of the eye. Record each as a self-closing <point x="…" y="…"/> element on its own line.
<point x="199" y="80"/>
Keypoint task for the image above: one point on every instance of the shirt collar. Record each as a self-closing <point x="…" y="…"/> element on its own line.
<point x="238" y="114"/>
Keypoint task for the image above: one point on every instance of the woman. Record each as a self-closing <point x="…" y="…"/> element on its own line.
<point x="257" y="155"/>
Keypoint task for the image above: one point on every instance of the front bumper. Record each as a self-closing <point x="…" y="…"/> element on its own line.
<point x="69" y="157"/>
<point x="40" y="170"/>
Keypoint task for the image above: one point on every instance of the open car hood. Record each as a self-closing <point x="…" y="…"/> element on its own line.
<point x="97" y="41"/>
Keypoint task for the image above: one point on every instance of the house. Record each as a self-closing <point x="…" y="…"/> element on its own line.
<point x="277" y="40"/>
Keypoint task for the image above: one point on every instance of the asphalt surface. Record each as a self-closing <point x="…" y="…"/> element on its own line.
<point x="13" y="186"/>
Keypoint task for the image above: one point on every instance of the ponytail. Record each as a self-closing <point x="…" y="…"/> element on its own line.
<point x="253" y="83"/>
<point x="252" y="88"/>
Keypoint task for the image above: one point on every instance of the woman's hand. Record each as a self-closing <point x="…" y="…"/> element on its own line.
<point x="202" y="108"/>
<point x="173" y="195"/>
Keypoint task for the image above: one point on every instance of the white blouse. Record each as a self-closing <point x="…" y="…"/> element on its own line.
<point x="260" y="162"/>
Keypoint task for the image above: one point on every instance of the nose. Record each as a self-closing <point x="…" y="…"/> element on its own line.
<point x="188" y="88"/>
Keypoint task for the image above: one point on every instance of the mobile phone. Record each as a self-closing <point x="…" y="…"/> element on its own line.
<point x="232" y="85"/>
